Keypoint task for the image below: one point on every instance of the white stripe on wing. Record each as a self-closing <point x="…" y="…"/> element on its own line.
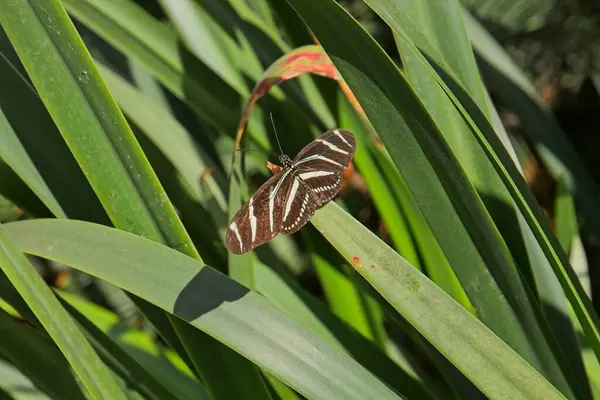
<point x="341" y="137"/>
<point x="291" y="196"/>
<point x="319" y="157"/>
<point x="272" y="197"/>
<point x="315" y="174"/>
<point x="332" y="146"/>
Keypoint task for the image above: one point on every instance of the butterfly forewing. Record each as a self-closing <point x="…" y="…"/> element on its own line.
<point x="260" y="219"/>
<point x="332" y="151"/>
<point x="286" y="202"/>
<point x="322" y="163"/>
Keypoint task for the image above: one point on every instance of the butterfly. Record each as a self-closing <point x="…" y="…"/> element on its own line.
<point x="285" y="202"/>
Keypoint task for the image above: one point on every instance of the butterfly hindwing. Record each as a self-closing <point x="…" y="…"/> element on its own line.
<point x="260" y="219"/>
<point x="300" y="205"/>
<point x="324" y="184"/>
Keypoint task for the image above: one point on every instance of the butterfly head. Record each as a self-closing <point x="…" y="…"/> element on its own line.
<point x="286" y="161"/>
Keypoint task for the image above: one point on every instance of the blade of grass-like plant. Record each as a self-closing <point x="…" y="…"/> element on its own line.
<point x="438" y="29"/>
<point x="147" y="362"/>
<point x="201" y="224"/>
<point x="238" y="317"/>
<point x="565" y="218"/>
<point x="44" y="73"/>
<point x="190" y="177"/>
<point x="475" y="162"/>
<point x="96" y="378"/>
<point x="13" y="153"/>
<point x="435" y="263"/>
<point x="131" y="370"/>
<point x="265" y="43"/>
<point x="516" y="16"/>
<point x="510" y="84"/>
<point x="263" y="9"/>
<point x="9" y="211"/>
<point x="592" y="366"/>
<point x="448" y="202"/>
<point x="120" y="362"/>
<point x="15" y="383"/>
<point x="37" y="358"/>
<point x="391" y="214"/>
<point x="521" y="195"/>
<point x="566" y="228"/>
<point x="153" y="44"/>
<point x="42" y="141"/>
<point x="19" y="196"/>
<point x="172" y="139"/>
<point x="205" y="40"/>
<point x="314" y="314"/>
<point x="487" y="361"/>
<point x="280" y="390"/>
<point x="107" y="151"/>
<point x="344" y="296"/>
<point x="457" y="385"/>
<point x="547" y="283"/>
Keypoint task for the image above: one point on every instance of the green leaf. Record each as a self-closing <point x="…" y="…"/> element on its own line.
<point x="344" y="294"/>
<point x="137" y="34"/>
<point x="96" y="378"/>
<point x="522" y="15"/>
<point x="314" y="314"/>
<point x="443" y="27"/>
<point x="14" y="383"/>
<point x="16" y="192"/>
<point x="177" y="146"/>
<point x="480" y="355"/>
<point x="13" y="153"/>
<point x="436" y="264"/>
<point x="152" y="377"/>
<point x="391" y="214"/>
<point x="96" y="132"/>
<point x="504" y="77"/>
<point x="210" y="301"/>
<point x="447" y="200"/>
<point x="43" y="143"/>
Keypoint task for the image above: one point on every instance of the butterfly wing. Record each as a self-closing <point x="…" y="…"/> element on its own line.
<point x="260" y="219"/>
<point x="322" y="163"/>
<point x="299" y="206"/>
<point x="286" y="202"/>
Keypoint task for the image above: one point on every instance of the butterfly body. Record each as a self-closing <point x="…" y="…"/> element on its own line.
<point x="286" y="202"/>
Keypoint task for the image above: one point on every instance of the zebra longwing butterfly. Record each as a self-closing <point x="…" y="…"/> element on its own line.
<point x="286" y="202"/>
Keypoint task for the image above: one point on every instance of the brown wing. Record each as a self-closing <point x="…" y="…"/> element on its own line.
<point x="324" y="184"/>
<point x="259" y="220"/>
<point x="332" y="151"/>
<point x="300" y="205"/>
<point x="322" y="163"/>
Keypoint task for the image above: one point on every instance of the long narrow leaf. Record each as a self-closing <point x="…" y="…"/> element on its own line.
<point x="447" y="200"/>
<point x="487" y="361"/>
<point x="210" y="301"/>
<point x="57" y="322"/>
<point x="103" y="144"/>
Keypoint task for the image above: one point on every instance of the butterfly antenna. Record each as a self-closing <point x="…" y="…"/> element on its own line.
<point x="275" y="130"/>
